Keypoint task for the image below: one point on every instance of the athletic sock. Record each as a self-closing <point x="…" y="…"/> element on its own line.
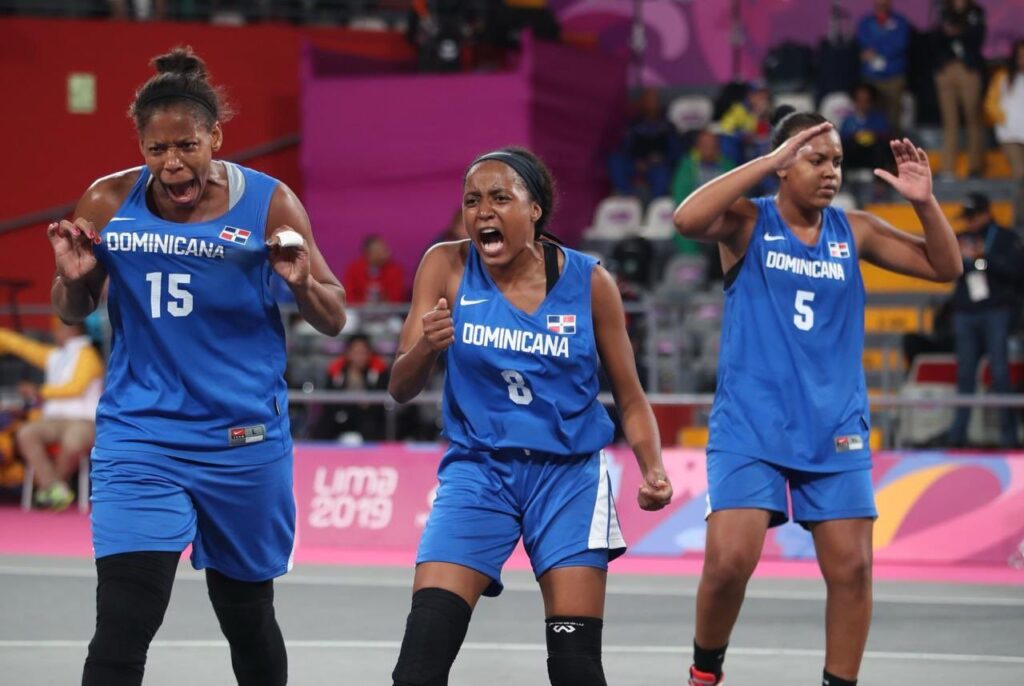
<point x="709" y="661"/>
<point x="829" y="679"/>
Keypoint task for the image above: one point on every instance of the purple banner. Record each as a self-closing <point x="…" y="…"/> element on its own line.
<point x="691" y="43"/>
<point x="390" y="151"/>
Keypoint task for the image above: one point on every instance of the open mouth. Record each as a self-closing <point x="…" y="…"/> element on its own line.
<point x="491" y="241"/>
<point x="184" y="193"/>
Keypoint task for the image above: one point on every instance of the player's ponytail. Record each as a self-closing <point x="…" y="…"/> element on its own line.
<point x="181" y="79"/>
<point x="786" y="121"/>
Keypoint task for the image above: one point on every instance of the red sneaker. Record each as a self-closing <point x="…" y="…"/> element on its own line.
<point x="699" y="678"/>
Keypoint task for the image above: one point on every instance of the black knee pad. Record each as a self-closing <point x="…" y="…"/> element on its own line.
<point x="132" y="593"/>
<point x="434" y="633"/>
<point x="574" y="651"/>
<point x="245" y="611"/>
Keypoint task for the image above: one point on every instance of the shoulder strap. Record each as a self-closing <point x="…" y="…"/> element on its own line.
<point x="550" y="264"/>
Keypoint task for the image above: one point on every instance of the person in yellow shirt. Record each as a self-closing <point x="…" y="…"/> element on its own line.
<point x="69" y="394"/>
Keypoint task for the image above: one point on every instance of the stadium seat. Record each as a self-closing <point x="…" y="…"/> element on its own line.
<point x="844" y="201"/>
<point x="835" y="107"/>
<point x="82" y="490"/>
<point x="684" y="274"/>
<point x="617" y="216"/>
<point x="658" y="220"/>
<point x="801" y="102"/>
<point x="690" y="112"/>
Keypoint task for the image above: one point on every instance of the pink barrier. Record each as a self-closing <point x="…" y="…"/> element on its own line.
<point x="934" y="508"/>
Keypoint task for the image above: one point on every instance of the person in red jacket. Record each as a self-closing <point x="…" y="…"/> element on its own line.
<point x="374" y="277"/>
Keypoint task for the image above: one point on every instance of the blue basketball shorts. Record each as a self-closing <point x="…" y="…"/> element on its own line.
<point x="738" y="481"/>
<point x="561" y="506"/>
<point x="239" y="519"/>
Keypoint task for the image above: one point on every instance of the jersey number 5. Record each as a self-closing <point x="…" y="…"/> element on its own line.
<point x="518" y="391"/>
<point x="181" y="303"/>
<point x="804" y="317"/>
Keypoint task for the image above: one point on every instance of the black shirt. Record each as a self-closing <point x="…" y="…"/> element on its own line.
<point x="1003" y="261"/>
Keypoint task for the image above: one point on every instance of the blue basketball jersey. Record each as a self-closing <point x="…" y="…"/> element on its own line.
<point x="791" y="385"/>
<point x="529" y="381"/>
<point x="197" y="359"/>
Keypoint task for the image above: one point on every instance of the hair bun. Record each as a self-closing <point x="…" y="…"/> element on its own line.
<point x="780" y="113"/>
<point x="180" y="60"/>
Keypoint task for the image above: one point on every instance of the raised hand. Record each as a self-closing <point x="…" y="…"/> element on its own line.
<point x="913" y="179"/>
<point x="655" y="492"/>
<point x="438" y="327"/>
<point x="72" y="247"/>
<point x="796" y="146"/>
<point x="290" y="261"/>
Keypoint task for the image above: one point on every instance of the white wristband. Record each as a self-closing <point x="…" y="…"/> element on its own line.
<point x="289" y="239"/>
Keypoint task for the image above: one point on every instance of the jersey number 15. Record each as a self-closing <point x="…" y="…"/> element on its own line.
<point x="180" y="302"/>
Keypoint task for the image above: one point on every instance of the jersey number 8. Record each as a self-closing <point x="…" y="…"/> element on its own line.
<point x="518" y="391"/>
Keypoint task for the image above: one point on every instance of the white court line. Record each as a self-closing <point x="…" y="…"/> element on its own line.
<point x="370" y="582"/>
<point x="540" y="647"/>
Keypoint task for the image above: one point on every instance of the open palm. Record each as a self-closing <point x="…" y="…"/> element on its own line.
<point x="913" y="179"/>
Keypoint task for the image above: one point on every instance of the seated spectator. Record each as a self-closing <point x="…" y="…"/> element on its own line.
<point x="374" y="277"/>
<point x="359" y="369"/>
<point x="69" y="395"/>
<point x="455" y="231"/>
<point x="748" y="122"/>
<point x="1004" y="106"/>
<point x="865" y="132"/>
<point x="642" y="164"/>
<point x="704" y="163"/>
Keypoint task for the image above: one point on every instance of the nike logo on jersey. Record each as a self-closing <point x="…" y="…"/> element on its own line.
<point x="463" y="301"/>
<point x="122" y="219"/>
<point x="774" y="237"/>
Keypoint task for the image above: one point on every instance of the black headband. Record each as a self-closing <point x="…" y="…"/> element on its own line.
<point x="523" y="166"/>
<point x="527" y="171"/>
<point x="146" y="102"/>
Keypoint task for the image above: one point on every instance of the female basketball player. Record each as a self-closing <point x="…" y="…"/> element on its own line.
<point x="522" y="322"/>
<point x="791" y="404"/>
<point x="192" y="437"/>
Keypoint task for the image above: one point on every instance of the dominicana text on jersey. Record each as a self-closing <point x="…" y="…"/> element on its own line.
<point x="790" y="379"/>
<point x="525" y="380"/>
<point x="198" y="368"/>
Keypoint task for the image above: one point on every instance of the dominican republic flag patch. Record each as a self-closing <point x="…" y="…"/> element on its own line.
<point x="562" y="323"/>
<point x="838" y="249"/>
<point x="235" y="235"/>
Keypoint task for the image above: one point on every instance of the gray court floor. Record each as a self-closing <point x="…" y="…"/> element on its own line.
<point x="343" y="626"/>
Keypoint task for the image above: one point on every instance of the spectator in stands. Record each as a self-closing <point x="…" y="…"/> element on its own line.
<point x="704" y="163"/>
<point x="747" y="122"/>
<point x="865" y="132"/>
<point x="1004" y="105"/>
<point x="133" y="9"/>
<point x="883" y="38"/>
<point x="985" y="303"/>
<point x="455" y="231"/>
<point x="374" y="277"/>
<point x="359" y="369"/>
<point x="70" y="392"/>
<point x="642" y="165"/>
<point x="959" y="69"/>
